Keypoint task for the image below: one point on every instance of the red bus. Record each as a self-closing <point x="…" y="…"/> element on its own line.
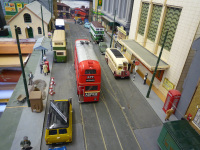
<point x="88" y="71"/>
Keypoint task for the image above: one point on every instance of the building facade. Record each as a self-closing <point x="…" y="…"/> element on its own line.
<point x="121" y="9"/>
<point x="63" y="10"/>
<point x="29" y="21"/>
<point x="151" y="19"/>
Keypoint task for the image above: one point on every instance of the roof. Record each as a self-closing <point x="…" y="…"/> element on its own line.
<point x="62" y="4"/>
<point x="11" y="48"/>
<point x="183" y="134"/>
<point x="58" y="35"/>
<point x="35" y="8"/>
<point x="85" y="51"/>
<point x="145" y="56"/>
<point x="42" y="43"/>
<point x="12" y="60"/>
<point x="54" y="120"/>
<point x="97" y="24"/>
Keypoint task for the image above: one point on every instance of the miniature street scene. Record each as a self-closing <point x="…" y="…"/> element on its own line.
<point x="99" y="75"/>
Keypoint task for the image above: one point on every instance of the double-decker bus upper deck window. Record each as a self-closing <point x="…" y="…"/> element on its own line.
<point x="90" y="88"/>
<point x="92" y="71"/>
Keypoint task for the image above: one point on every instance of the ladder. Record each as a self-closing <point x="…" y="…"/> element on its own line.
<point x="59" y="112"/>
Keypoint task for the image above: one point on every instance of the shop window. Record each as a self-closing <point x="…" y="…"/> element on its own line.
<point x="143" y="18"/>
<point x="155" y="18"/>
<point x="19" y="30"/>
<point x="27" y="18"/>
<point x="159" y="74"/>
<point x="39" y="30"/>
<point x="196" y="120"/>
<point x="170" y="24"/>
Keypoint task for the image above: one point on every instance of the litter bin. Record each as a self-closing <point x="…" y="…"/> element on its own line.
<point x="36" y="101"/>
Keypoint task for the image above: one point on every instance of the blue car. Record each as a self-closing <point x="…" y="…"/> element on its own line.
<point x="59" y="148"/>
<point x="87" y="25"/>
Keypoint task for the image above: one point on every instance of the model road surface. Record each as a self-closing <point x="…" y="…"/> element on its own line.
<point x="109" y="124"/>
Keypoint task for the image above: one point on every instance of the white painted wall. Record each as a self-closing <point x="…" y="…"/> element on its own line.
<point x="184" y="36"/>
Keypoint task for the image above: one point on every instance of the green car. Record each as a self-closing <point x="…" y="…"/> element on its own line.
<point x="102" y="47"/>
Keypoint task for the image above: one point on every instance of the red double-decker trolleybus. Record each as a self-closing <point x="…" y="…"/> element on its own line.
<point x="88" y="71"/>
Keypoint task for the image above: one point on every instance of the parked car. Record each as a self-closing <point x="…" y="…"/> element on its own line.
<point x="87" y="25"/>
<point x="79" y="21"/>
<point x="102" y="47"/>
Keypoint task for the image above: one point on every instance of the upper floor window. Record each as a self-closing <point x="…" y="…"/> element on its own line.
<point x="27" y="18"/>
<point x="155" y="19"/>
<point x="143" y="18"/>
<point x="170" y="24"/>
<point x="39" y="30"/>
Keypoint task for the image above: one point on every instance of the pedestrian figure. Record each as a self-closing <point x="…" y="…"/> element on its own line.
<point x="30" y="75"/>
<point x="44" y="58"/>
<point x="45" y="69"/>
<point x="41" y="67"/>
<point x="74" y="20"/>
<point x="145" y="78"/>
<point x="25" y="143"/>
<point x="169" y="113"/>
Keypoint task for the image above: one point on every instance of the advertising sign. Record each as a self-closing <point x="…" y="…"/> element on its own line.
<point x="99" y="2"/>
<point x="10" y="7"/>
<point x="19" y="6"/>
<point x="167" y="84"/>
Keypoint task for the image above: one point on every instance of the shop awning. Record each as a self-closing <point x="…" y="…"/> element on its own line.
<point x="145" y="56"/>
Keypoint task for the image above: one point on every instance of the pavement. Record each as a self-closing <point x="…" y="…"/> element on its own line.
<point x="18" y="120"/>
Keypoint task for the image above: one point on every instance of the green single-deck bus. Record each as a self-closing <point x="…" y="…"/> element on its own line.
<point x="97" y="31"/>
<point x="59" y="46"/>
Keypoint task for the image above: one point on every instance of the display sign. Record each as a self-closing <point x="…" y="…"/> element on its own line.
<point x="167" y="84"/>
<point x="10" y="7"/>
<point x="90" y="79"/>
<point x="99" y="2"/>
<point x="19" y="6"/>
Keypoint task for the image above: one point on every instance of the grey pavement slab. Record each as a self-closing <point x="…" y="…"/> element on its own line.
<point x="147" y="137"/>
<point x="154" y="101"/>
<point x="31" y="123"/>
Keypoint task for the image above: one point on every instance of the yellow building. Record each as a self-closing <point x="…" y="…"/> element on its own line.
<point x="29" y="21"/>
<point x="193" y="112"/>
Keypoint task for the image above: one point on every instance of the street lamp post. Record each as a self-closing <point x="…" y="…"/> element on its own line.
<point x="112" y="30"/>
<point x="21" y="62"/>
<point x="152" y="79"/>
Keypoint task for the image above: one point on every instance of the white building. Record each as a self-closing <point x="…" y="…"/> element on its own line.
<point x="150" y="21"/>
<point x="29" y="21"/>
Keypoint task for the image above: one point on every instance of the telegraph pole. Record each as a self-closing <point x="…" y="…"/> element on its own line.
<point x="152" y="79"/>
<point x="42" y="21"/>
<point x="21" y="62"/>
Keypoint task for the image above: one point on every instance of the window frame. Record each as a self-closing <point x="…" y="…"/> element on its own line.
<point x="27" y="18"/>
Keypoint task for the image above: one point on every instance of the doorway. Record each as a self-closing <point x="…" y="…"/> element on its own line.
<point x="29" y="32"/>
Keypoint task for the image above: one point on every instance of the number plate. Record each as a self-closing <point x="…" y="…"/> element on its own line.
<point x="90" y="94"/>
